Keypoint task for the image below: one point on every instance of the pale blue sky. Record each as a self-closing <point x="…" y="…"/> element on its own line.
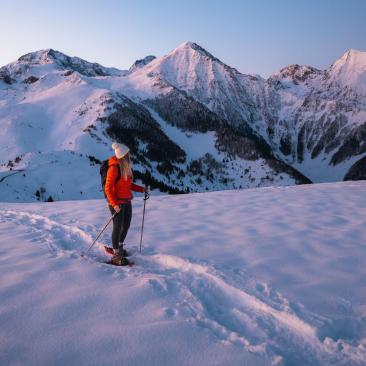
<point x="258" y="36"/>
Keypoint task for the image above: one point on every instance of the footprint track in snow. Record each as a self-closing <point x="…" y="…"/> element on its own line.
<point x="240" y="310"/>
<point x="59" y="238"/>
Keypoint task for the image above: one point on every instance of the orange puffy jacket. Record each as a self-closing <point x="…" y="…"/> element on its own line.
<point x="120" y="191"/>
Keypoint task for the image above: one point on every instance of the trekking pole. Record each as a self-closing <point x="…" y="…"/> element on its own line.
<point x="143" y="214"/>
<point x="101" y="232"/>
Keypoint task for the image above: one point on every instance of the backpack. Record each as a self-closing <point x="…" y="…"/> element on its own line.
<point x="103" y="174"/>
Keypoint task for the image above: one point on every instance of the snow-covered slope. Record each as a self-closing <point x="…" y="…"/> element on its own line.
<point x="299" y="125"/>
<point x="350" y="71"/>
<point x="59" y="115"/>
<point x="269" y="276"/>
<point x="312" y="119"/>
<point x="223" y="90"/>
<point x="316" y="120"/>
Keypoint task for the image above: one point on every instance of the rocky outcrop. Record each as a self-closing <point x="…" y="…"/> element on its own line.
<point x="30" y="79"/>
<point x="183" y="111"/>
<point x="132" y="124"/>
<point x="357" y="170"/>
<point x="138" y="64"/>
<point x="5" y="76"/>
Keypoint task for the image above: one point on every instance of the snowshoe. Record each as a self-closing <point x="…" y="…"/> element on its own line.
<point x="109" y="250"/>
<point x="120" y="261"/>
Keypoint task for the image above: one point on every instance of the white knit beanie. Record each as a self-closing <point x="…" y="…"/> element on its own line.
<point x="120" y="150"/>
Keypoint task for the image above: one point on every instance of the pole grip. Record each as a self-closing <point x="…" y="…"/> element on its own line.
<point x="143" y="216"/>
<point x="147" y="195"/>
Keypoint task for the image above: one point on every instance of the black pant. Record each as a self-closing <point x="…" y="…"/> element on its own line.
<point x="121" y="224"/>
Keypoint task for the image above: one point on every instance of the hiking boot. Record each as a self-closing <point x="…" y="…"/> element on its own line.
<point x="116" y="258"/>
<point x="119" y="260"/>
<point x="123" y="252"/>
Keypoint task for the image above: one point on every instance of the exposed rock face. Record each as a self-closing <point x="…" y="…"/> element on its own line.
<point x="30" y="80"/>
<point x="357" y="170"/>
<point x="138" y="64"/>
<point x="181" y="110"/>
<point x="131" y="123"/>
<point x="5" y="76"/>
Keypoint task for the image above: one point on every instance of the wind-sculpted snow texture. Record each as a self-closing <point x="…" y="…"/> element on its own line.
<point x="270" y="276"/>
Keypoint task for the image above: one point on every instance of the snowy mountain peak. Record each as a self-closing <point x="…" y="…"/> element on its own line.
<point x="353" y="57"/>
<point x="138" y="64"/>
<point x="350" y="70"/>
<point x="352" y="60"/>
<point x="61" y="61"/>
<point x="296" y="73"/>
<point x="192" y="48"/>
<point x="39" y="57"/>
<point x="185" y="46"/>
<point x="189" y="66"/>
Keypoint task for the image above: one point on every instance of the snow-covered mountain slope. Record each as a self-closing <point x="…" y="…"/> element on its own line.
<point x="316" y="120"/>
<point x="311" y="119"/>
<point x="59" y="112"/>
<point x="221" y="88"/>
<point x="299" y="125"/>
<point x="350" y="71"/>
<point x="269" y="276"/>
<point x="60" y="61"/>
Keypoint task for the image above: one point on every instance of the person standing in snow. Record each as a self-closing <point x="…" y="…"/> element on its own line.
<point x="118" y="189"/>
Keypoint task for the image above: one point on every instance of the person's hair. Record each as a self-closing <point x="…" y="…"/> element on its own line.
<point x="126" y="166"/>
